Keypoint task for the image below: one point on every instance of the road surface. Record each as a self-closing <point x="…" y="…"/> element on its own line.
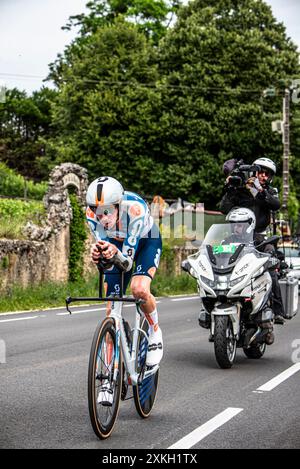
<point x="43" y="392"/>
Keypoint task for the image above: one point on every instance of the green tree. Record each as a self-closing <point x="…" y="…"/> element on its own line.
<point x="104" y="114"/>
<point x="164" y="118"/>
<point x="151" y="16"/>
<point x="215" y="63"/>
<point x="23" y="121"/>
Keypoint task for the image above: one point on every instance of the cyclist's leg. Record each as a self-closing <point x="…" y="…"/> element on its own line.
<point x="146" y="264"/>
<point x="141" y="288"/>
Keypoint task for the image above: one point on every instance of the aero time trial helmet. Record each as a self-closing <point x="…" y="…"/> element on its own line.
<point x="103" y="192"/>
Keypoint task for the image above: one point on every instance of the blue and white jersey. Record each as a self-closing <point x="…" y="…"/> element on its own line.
<point x="134" y="223"/>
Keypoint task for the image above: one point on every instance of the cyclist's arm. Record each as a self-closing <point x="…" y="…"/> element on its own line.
<point x="96" y="233"/>
<point x="136" y="220"/>
<point x="93" y="224"/>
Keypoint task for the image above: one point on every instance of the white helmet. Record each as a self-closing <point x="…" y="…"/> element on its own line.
<point x="104" y="191"/>
<point x="267" y="164"/>
<point x="242" y="215"/>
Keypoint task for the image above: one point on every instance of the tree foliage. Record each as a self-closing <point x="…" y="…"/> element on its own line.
<point x="162" y="106"/>
<point x="165" y="118"/>
<point x="23" y="121"/>
<point x="15" y="185"/>
<point x="216" y="62"/>
<point x="106" y="108"/>
<point x="151" y="16"/>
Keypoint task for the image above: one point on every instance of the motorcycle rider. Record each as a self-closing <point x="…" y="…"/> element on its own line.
<point x="259" y="196"/>
<point x="243" y="224"/>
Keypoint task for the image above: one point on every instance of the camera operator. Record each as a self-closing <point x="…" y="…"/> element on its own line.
<point x="256" y="193"/>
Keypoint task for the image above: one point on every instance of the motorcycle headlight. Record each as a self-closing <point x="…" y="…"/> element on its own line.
<point x="222" y="282"/>
<point x="232" y="283"/>
<point x="207" y="281"/>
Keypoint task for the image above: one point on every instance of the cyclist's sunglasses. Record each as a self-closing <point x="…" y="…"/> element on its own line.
<point x="103" y="210"/>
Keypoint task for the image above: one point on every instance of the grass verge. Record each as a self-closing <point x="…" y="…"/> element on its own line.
<point x="50" y="295"/>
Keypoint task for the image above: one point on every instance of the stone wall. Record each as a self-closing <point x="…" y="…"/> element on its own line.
<point x="27" y="262"/>
<point x="44" y="255"/>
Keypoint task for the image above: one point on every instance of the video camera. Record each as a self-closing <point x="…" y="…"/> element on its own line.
<point x="240" y="174"/>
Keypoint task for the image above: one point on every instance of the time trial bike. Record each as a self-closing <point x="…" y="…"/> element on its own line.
<point x="118" y="358"/>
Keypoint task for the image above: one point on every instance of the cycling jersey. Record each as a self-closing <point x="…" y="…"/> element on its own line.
<point x="134" y="223"/>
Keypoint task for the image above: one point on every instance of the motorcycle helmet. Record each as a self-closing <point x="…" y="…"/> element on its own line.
<point x="242" y="215"/>
<point x="267" y="165"/>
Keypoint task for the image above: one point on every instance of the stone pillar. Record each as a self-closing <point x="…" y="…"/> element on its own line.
<point x="55" y="234"/>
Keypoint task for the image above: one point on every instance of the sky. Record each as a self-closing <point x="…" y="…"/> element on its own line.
<point x="31" y="36"/>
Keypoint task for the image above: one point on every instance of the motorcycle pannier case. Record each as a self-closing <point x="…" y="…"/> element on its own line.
<point x="289" y="292"/>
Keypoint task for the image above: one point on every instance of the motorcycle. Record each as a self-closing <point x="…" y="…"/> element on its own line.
<point x="234" y="285"/>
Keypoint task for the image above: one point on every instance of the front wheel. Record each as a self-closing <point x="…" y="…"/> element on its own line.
<point x="105" y="367"/>
<point x="144" y="392"/>
<point x="224" y="342"/>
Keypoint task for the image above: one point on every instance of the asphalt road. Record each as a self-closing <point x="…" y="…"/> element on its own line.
<point x="43" y="392"/>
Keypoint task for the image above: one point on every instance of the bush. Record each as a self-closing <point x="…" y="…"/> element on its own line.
<point x="15" y="185"/>
<point x="46" y="295"/>
<point x="14" y="215"/>
<point x="78" y="235"/>
<point x="164" y="285"/>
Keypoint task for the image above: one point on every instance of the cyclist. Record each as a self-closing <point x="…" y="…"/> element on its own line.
<point x="120" y="221"/>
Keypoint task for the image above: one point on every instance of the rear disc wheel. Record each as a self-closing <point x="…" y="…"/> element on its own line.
<point x="144" y="393"/>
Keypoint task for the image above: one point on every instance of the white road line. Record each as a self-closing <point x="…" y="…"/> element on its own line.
<point x="280" y="378"/>
<point x="201" y="432"/>
<point x="18" y="319"/>
<point x="185" y="298"/>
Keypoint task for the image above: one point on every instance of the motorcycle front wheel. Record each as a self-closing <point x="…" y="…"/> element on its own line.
<point x="224" y="342"/>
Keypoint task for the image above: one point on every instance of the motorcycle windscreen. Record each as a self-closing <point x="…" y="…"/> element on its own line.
<point x="224" y="242"/>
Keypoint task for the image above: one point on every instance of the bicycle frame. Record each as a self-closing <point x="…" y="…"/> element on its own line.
<point x="129" y="357"/>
